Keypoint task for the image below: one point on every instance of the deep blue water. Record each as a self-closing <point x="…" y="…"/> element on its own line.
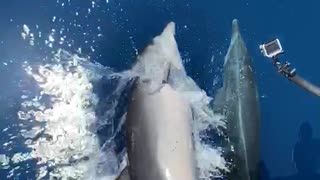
<point x="203" y="31"/>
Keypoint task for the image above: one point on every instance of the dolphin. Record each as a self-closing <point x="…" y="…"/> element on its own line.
<point x="238" y="101"/>
<point x="159" y="133"/>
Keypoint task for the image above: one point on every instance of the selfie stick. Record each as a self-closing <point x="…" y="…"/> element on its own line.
<point x="291" y="75"/>
<point x="273" y="49"/>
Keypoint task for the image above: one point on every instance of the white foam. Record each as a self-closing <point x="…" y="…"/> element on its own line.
<point x="20" y="157"/>
<point x="26" y="29"/>
<point x="26" y="34"/>
<point x="4" y="161"/>
<point x="68" y="121"/>
<point x="33" y="133"/>
<point x="210" y="160"/>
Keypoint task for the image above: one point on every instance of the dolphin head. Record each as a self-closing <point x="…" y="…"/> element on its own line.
<point x="237" y="50"/>
<point x="154" y="64"/>
<point x="235" y="26"/>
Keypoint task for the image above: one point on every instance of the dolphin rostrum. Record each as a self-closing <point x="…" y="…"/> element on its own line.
<point x="238" y="101"/>
<point x="159" y="132"/>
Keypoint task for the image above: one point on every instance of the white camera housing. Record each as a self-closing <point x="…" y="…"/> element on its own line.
<point x="272" y="48"/>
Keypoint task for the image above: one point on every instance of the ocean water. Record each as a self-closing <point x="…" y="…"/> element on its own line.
<point x="101" y="38"/>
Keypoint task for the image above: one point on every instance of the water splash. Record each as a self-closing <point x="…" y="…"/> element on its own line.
<point x="68" y="146"/>
<point x="73" y="131"/>
<point x="66" y="104"/>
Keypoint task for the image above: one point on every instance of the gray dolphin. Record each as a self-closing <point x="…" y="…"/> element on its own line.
<point x="159" y="132"/>
<point x="238" y="100"/>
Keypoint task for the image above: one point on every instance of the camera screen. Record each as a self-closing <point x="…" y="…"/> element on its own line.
<point x="272" y="47"/>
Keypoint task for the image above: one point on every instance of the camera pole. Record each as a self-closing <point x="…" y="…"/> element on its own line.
<point x="291" y="75"/>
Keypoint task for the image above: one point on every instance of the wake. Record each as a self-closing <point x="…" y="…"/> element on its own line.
<point x="74" y="121"/>
<point x="69" y="138"/>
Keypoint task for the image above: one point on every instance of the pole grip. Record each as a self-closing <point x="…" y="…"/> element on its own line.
<point x="298" y="80"/>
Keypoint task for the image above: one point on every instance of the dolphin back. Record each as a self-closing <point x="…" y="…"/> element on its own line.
<point x="238" y="100"/>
